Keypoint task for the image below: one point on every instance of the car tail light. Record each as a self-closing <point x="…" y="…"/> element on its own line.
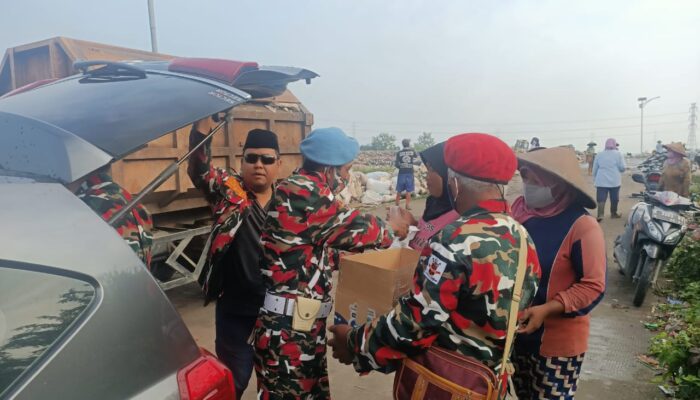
<point x="206" y="378"/>
<point x="654" y="177"/>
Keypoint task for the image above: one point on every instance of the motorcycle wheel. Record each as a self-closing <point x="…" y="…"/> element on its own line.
<point x="647" y="266"/>
<point x="630" y="267"/>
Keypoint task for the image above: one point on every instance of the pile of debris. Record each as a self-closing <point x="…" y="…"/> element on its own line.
<point x="378" y="187"/>
<point x="373" y="179"/>
<point x="375" y="158"/>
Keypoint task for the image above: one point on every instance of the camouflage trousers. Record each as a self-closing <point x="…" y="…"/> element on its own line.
<point x="290" y="365"/>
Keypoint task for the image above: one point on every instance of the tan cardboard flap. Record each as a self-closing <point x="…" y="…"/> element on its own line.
<point x="371" y="283"/>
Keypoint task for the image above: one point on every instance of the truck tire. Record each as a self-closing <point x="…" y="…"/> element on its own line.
<point x="648" y="265"/>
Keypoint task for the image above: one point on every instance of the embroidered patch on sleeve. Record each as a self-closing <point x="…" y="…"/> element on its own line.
<point x="434" y="269"/>
<point x="236" y="187"/>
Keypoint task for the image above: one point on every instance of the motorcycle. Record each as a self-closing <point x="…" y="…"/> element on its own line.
<point x="651" y="171"/>
<point x="650" y="179"/>
<point x="654" y="228"/>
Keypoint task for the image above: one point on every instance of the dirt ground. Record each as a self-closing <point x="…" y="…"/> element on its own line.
<point x="610" y="369"/>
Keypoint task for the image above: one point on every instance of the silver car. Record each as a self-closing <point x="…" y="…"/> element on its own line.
<point x="80" y="315"/>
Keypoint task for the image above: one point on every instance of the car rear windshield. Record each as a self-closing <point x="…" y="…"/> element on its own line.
<point x="36" y="310"/>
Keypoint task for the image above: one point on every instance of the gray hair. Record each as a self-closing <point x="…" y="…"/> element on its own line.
<point x="474" y="184"/>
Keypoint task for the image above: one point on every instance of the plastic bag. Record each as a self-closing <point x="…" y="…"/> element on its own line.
<point x="397" y="243"/>
<point x="378" y="175"/>
<point x="381" y="187"/>
<point x="371" y="197"/>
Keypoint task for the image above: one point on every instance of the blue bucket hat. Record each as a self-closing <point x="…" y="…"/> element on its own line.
<point x="329" y="146"/>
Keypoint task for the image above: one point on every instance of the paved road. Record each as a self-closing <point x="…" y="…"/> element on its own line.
<point x="610" y="370"/>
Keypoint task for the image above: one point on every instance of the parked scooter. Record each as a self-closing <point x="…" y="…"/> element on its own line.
<point x="650" y="179"/>
<point x="654" y="228"/>
<point x="651" y="171"/>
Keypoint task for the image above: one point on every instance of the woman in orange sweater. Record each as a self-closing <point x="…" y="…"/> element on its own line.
<point x="553" y="336"/>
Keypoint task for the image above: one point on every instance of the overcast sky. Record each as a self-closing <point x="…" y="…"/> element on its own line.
<point x="565" y="71"/>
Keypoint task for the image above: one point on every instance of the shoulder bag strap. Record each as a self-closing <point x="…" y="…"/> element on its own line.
<point x="506" y="366"/>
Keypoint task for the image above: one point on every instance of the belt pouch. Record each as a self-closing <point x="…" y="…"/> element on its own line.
<point x="305" y="312"/>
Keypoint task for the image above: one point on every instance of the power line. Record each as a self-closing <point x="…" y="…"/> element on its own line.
<point x="520" y="132"/>
<point x="589" y="128"/>
<point x="424" y="123"/>
<point x="588" y="137"/>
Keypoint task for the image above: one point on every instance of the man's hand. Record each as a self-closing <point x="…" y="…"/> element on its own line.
<point x="400" y="213"/>
<point x="400" y="220"/>
<point x="533" y="318"/>
<point x="400" y="227"/>
<point x="408" y="217"/>
<point x="339" y="344"/>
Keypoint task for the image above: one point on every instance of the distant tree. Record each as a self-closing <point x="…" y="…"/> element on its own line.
<point x="424" y="141"/>
<point x="384" y="141"/>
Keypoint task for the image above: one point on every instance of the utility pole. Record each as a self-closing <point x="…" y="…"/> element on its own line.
<point x="692" y="125"/>
<point x="152" y="22"/>
<point x="643" y="101"/>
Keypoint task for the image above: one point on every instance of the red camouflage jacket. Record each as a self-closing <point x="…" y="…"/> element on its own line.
<point x="229" y="201"/>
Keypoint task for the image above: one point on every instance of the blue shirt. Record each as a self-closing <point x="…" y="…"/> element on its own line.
<point x="608" y="168"/>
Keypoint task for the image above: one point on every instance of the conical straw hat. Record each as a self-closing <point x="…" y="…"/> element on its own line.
<point x="562" y="163"/>
<point x="677" y="148"/>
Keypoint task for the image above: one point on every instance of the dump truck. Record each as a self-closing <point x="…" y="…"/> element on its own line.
<point x="182" y="218"/>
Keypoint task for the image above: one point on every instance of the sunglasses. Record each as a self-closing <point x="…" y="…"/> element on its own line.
<point x="252" y="158"/>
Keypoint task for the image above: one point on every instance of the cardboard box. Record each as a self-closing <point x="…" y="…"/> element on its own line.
<point x="371" y="283"/>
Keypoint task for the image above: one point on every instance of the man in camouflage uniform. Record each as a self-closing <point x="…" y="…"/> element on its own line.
<point x="306" y="227"/>
<point x="464" y="279"/>
<point x="232" y="273"/>
<point x="106" y="197"/>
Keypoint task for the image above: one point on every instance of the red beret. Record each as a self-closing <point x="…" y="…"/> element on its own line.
<point x="481" y="156"/>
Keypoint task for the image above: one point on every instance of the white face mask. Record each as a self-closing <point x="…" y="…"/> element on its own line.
<point x="537" y="196"/>
<point x="339" y="183"/>
<point x="453" y="196"/>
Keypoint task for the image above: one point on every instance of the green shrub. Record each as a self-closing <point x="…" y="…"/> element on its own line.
<point x="677" y="351"/>
<point x="688" y="387"/>
<point x="695" y="188"/>
<point x="684" y="265"/>
<point x="677" y="347"/>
